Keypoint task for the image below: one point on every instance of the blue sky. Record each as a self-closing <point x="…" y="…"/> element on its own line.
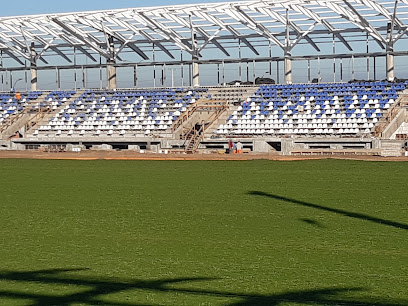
<point x="26" y="7"/>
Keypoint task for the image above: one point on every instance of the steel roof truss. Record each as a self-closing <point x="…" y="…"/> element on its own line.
<point x="158" y="44"/>
<point x="383" y="11"/>
<point x="230" y="29"/>
<point x="301" y="36"/>
<point x="60" y="53"/>
<point x="12" y="49"/>
<point x="127" y="42"/>
<point x="294" y="26"/>
<point x="172" y="35"/>
<point x="211" y="39"/>
<point x="83" y="37"/>
<point x="80" y="48"/>
<point x="203" y="33"/>
<point x="13" y="56"/>
<point x="361" y="23"/>
<point x="246" y="20"/>
<point x="311" y="14"/>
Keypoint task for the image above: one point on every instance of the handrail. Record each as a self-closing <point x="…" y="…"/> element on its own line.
<point x="37" y="118"/>
<point x="211" y="104"/>
<point x="391" y="114"/>
<point x="198" y="135"/>
<point x="11" y="120"/>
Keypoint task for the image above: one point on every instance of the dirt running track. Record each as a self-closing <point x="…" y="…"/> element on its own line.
<point x="129" y="155"/>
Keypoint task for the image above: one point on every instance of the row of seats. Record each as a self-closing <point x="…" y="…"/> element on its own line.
<point x="121" y="112"/>
<point x="346" y="109"/>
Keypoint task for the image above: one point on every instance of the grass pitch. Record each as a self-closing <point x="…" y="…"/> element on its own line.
<point x="323" y="232"/>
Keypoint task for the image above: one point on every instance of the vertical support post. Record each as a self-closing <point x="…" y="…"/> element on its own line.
<point x="182" y="68"/>
<point x="83" y="77"/>
<point x="164" y="75"/>
<point x="253" y="71"/>
<point x="26" y="77"/>
<point x="247" y="71"/>
<point x="389" y="60"/>
<point x="190" y="74"/>
<point x="334" y="59"/>
<point x="287" y="51"/>
<point x="288" y="60"/>
<point x="352" y="67"/>
<point x="277" y="72"/>
<point x="1" y="64"/>
<point x="100" y="73"/>
<point x="390" y="63"/>
<point x="154" y="76"/>
<point x="223" y="73"/>
<point x="270" y="59"/>
<point x="319" y="73"/>
<point x="75" y="72"/>
<point x="240" y="61"/>
<point x="341" y="70"/>
<point x="154" y="66"/>
<point x="33" y="68"/>
<point x="288" y="68"/>
<point x="58" y="78"/>
<point x="308" y="71"/>
<point x="195" y="65"/>
<point x="172" y="77"/>
<point x="218" y="74"/>
<point x="368" y="59"/>
<point x="110" y="65"/>
<point x="374" y="68"/>
<point x="135" y="76"/>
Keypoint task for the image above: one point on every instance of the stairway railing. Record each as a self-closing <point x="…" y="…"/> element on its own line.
<point x="401" y="102"/>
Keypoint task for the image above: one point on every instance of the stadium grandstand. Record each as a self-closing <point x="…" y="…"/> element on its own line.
<point x="284" y="77"/>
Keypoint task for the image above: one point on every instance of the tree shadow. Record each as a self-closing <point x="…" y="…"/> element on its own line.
<point x="334" y="210"/>
<point x="95" y="288"/>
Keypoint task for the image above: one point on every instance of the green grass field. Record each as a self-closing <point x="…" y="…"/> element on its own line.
<point x="325" y="232"/>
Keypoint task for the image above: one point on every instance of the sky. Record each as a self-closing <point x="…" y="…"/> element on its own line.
<point x="29" y="7"/>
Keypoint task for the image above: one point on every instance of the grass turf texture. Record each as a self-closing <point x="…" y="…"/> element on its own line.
<point x="325" y="232"/>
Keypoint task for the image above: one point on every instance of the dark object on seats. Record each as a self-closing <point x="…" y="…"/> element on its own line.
<point x="236" y="82"/>
<point x="264" y="81"/>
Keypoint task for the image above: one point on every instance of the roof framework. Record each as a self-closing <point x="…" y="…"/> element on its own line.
<point x="194" y="28"/>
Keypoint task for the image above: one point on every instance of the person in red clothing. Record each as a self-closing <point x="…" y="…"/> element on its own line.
<point x="230" y="146"/>
<point x="18" y="96"/>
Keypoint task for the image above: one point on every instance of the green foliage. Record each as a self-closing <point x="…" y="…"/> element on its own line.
<point x="203" y="233"/>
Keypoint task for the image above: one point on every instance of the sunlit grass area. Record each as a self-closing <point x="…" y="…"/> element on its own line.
<point x="325" y="232"/>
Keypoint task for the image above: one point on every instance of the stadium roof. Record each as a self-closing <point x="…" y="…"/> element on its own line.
<point x="193" y="28"/>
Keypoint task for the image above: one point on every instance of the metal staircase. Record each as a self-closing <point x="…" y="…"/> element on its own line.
<point x="20" y="119"/>
<point x="400" y="104"/>
<point x="194" y="135"/>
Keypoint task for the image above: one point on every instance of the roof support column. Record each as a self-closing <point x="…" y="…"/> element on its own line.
<point x="111" y="74"/>
<point x="195" y="56"/>
<point x="288" y="68"/>
<point x="390" y="64"/>
<point x="196" y="74"/>
<point x="110" y="67"/>
<point x="33" y="68"/>
<point x="288" y="60"/>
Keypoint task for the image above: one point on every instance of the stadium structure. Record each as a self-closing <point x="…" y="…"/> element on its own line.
<point x="291" y="77"/>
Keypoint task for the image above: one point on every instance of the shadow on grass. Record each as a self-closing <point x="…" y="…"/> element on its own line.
<point x="334" y="210"/>
<point x="95" y="288"/>
<point x="312" y="222"/>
